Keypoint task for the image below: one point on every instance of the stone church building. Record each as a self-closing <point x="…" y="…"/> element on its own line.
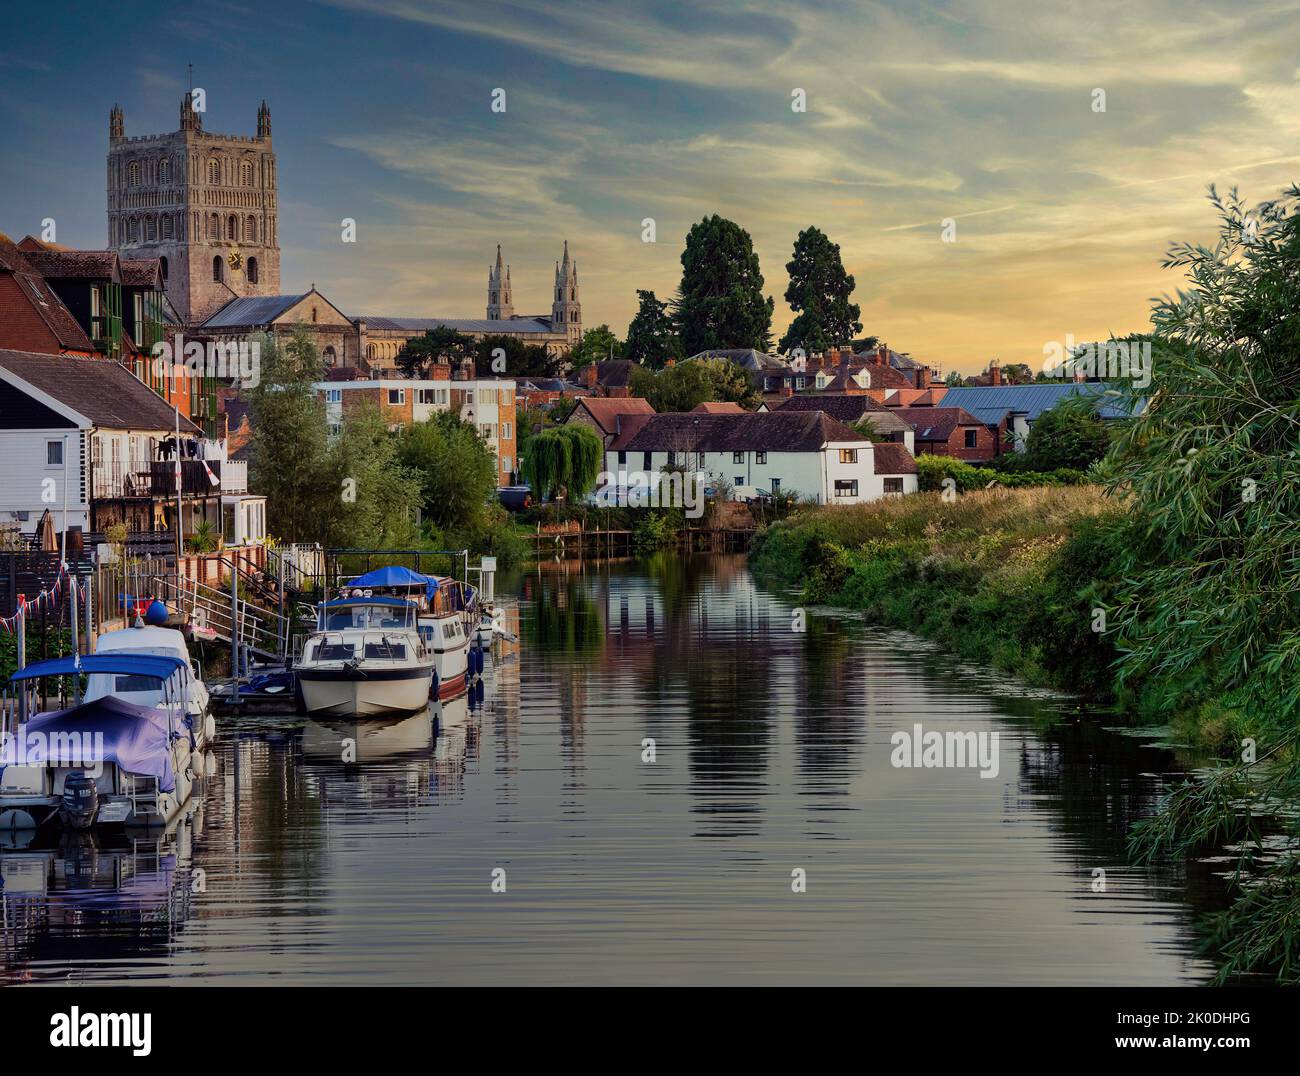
<point x="204" y="204"/>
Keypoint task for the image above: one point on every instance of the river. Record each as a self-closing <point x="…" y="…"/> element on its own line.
<point x="764" y="836"/>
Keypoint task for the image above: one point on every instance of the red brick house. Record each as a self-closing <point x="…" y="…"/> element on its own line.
<point x="605" y="415"/>
<point x="950" y="431"/>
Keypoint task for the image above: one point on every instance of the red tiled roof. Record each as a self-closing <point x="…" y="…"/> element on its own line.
<point x="718" y="407"/>
<point x="606" y="410"/>
<point x="936" y="423"/>
<point x="75" y="264"/>
<point x="893" y="459"/>
<point x="142" y="272"/>
<point x="35" y="295"/>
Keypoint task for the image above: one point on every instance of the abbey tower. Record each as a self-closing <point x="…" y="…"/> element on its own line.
<point x="204" y="204"/>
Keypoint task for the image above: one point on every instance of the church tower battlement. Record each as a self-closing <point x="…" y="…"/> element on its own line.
<point x="205" y="204"/>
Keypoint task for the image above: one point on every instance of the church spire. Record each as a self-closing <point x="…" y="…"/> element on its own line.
<point x="116" y="125"/>
<point x="566" y="311"/>
<point x="500" y="305"/>
<point x="264" y="121"/>
<point x="190" y="120"/>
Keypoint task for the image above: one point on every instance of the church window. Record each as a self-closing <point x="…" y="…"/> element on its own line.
<point x="250" y="229"/>
<point x="232" y="227"/>
<point x="162" y="262"/>
<point x="214" y="226"/>
<point x="132" y="230"/>
<point x="313" y="315"/>
<point x="150" y="229"/>
<point x="133" y="174"/>
<point x="216" y="269"/>
<point x="167" y="226"/>
<point x="252" y="270"/>
<point x="573" y="294"/>
<point x="214" y="170"/>
<point x="246" y="173"/>
<point x="164" y="171"/>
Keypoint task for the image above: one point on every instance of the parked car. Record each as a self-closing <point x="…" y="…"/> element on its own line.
<point x="515" y="498"/>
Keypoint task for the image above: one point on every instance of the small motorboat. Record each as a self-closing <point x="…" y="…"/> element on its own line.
<point x="103" y="761"/>
<point x="163" y="642"/>
<point x="366" y="658"/>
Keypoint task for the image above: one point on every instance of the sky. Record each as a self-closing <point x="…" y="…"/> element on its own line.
<point x="983" y="113"/>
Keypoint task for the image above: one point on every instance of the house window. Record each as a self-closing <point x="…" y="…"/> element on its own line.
<point x="846" y="487"/>
<point x="672" y="459"/>
<point x="622" y="459"/>
<point x="333" y="395"/>
<point x="505" y="464"/>
<point x="760" y="457"/>
<point x="645" y="461"/>
<point x="397" y="396"/>
<point x="776" y="485"/>
<point x="505" y="431"/>
<point x="739" y="480"/>
<point x="53" y="453"/>
<point x="848" y="455"/>
<point x="425" y="396"/>
<point x="893" y="485"/>
<point x="972" y="438"/>
<point x="737" y="457"/>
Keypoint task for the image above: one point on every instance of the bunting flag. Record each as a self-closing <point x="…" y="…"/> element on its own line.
<point x="50" y="598"/>
<point x="211" y="477"/>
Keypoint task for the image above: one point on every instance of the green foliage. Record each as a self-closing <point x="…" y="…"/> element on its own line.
<point x="455" y="469"/>
<point x="685" y="385"/>
<point x="953" y="380"/>
<point x="564" y="461"/>
<point x="1071" y="434"/>
<point x="819" y="294"/>
<point x="596" y="345"/>
<point x="289" y="439"/>
<point x="652" y="335"/>
<point x="441" y="344"/>
<point x="932" y="470"/>
<point x="720" y="302"/>
<point x="378" y="511"/>
<point x="521" y="360"/>
<point x="203" y="539"/>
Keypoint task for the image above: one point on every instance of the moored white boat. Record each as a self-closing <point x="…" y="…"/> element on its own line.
<point x="366" y="658"/>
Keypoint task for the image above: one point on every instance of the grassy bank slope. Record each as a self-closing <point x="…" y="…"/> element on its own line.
<point x="1007" y="577"/>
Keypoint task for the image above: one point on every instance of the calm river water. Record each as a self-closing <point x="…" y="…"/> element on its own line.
<point x="771" y="756"/>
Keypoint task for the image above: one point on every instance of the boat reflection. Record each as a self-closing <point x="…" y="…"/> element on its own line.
<point x="96" y="902"/>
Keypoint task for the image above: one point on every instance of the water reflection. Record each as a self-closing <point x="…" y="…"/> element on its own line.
<point x="363" y="851"/>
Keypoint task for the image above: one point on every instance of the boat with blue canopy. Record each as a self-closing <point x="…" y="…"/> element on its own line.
<point x="101" y="761"/>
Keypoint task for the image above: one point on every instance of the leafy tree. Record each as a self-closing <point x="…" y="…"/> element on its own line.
<point x="596" y="345"/>
<point x="564" y="461"/>
<point x="290" y="436"/>
<point x="685" y="385"/>
<point x="720" y="303"/>
<point x="521" y="360"/>
<point x="455" y="469"/>
<point x="379" y="510"/>
<point x="1017" y="373"/>
<point x="819" y="293"/>
<point x="1071" y="434"/>
<point x="953" y="380"/>
<point x="866" y="343"/>
<point x="441" y="344"/>
<point x="652" y="336"/>
<point x="1209" y="573"/>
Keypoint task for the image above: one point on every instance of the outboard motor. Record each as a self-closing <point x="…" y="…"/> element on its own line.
<point x="80" y="801"/>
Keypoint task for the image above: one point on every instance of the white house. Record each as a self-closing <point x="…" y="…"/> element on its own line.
<point x="86" y="432"/>
<point x="803" y="452"/>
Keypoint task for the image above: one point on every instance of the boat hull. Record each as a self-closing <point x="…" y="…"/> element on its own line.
<point x="344" y="693"/>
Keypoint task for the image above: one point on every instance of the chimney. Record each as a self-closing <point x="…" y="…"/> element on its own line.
<point x="882" y="355"/>
<point x="995" y="373"/>
<point x="921" y="375"/>
<point x="465" y="370"/>
<point x="588" y="375"/>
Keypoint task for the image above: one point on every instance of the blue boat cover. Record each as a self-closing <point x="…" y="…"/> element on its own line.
<point x="397" y="576"/>
<point x="134" y="737"/>
<point x="334" y="603"/>
<point x="157" y="666"/>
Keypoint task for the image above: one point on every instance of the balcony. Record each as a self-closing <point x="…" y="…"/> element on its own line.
<point x="156" y="479"/>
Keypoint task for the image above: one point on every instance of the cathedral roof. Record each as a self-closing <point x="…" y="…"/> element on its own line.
<point x="252" y="310"/>
<point x="505" y="327"/>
